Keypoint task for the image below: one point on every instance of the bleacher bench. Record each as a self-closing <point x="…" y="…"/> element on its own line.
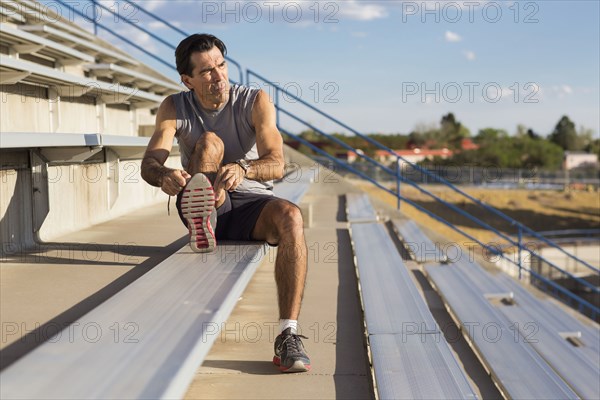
<point x="130" y="76"/>
<point x="359" y="208"/>
<point x="420" y="247"/>
<point x="410" y="355"/>
<point x="148" y="340"/>
<point x="87" y="46"/>
<point x="565" y="343"/>
<point x="516" y="367"/>
<point x="65" y="83"/>
<point x="25" y="42"/>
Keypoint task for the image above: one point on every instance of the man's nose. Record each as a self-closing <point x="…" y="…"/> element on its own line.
<point x="218" y="75"/>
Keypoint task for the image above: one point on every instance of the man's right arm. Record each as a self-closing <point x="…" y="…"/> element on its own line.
<point x="171" y="181"/>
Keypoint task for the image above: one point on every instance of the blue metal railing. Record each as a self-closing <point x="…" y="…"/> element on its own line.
<point x="571" y="299"/>
<point x="399" y="178"/>
<point x="396" y="173"/>
<point x="520" y="227"/>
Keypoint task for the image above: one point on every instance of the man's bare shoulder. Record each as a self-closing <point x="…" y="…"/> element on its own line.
<point x="167" y="110"/>
<point x="263" y="109"/>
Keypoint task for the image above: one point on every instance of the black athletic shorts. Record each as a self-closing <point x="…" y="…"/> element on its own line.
<point x="237" y="216"/>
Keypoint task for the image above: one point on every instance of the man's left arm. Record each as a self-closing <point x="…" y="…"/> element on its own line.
<point x="270" y="163"/>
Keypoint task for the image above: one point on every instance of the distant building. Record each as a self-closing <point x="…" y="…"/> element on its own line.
<point x="576" y="159"/>
<point x="468" y="144"/>
<point x="413" y="155"/>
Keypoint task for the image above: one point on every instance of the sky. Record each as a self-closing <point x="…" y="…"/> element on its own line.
<point x="396" y="66"/>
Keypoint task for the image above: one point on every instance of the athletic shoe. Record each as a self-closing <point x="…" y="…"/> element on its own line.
<point x="290" y="355"/>
<point x="198" y="208"/>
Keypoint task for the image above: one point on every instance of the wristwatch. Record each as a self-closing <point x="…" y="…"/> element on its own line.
<point x="244" y="164"/>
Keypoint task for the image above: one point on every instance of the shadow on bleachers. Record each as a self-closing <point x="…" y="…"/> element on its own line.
<point x="38" y="336"/>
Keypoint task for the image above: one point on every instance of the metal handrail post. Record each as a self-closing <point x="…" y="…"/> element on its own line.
<point x="398" y="183"/>
<point x="520" y="234"/>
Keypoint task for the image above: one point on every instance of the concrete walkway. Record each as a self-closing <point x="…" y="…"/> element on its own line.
<point x="240" y="362"/>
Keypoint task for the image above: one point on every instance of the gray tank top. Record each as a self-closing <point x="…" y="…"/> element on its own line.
<point x="232" y="123"/>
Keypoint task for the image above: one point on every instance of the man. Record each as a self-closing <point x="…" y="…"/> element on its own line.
<point x="231" y="151"/>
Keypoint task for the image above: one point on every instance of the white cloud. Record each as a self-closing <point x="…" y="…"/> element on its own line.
<point x="352" y="9"/>
<point x="561" y="91"/>
<point x="452" y="37"/>
<point x="156" y="25"/>
<point x="469" y="55"/>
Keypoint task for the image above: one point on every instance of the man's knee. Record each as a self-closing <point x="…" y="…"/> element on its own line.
<point x="210" y="141"/>
<point x="289" y="220"/>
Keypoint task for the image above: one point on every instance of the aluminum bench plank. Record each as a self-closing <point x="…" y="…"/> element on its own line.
<point x="359" y="208"/>
<point x="14" y="140"/>
<point x="570" y="362"/>
<point x="516" y="367"/>
<point x="543" y="322"/>
<point x="62" y="36"/>
<point x="391" y="300"/>
<point x="117" y="69"/>
<point x="292" y="190"/>
<point x="53" y="76"/>
<point x="11" y="14"/>
<point x="171" y="314"/>
<point x="54" y="47"/>
<point x="411" y="358"/>
<point x="31" y="8"/>
<point x="405" y="362"/>
<point x="555" y="317"/>
<point x="417" y="243"/>
<point x="485" y="282"/>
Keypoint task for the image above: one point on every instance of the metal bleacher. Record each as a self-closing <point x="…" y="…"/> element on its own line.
<point x="137" y="79"/>
<point x="420" y="247"/>
<point x="100" y="52"/>
<point x="177" y="310"/>
<point x="359" y="208"/>
<point x="516" y="335"/>
<point x="65" y="83"/>
<point x="8" y="14"/>
<point x="30" y="12"/>
<point x="23" y="42"/>
<point x="410" y="356"/>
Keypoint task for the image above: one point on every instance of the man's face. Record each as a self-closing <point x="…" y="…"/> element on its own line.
<point x="210" y="78"/>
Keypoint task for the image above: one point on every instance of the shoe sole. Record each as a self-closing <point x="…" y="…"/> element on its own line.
<point x="197" y="204"/>
<point x="298" y="366"/>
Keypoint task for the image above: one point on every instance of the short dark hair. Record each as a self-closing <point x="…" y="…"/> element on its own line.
<point x="198" y="42"/>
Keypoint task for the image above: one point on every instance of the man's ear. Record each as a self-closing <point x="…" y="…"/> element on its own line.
<point x="186" y="81"/>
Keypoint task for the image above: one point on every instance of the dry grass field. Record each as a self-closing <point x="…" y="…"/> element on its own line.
<point x="541" y="210"/>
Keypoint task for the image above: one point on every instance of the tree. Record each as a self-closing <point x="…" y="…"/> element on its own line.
<point x="585" y="137"/>
<point x="452" y="132"/>
<point x="490" y="135"/>
<point x="564" y="134"/>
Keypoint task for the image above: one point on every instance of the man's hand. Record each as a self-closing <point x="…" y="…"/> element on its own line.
<point x="174" y="181"/>
<point x="228" y="178"/>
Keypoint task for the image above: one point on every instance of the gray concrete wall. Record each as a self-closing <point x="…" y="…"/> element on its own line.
<point x="16" y="229"/>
